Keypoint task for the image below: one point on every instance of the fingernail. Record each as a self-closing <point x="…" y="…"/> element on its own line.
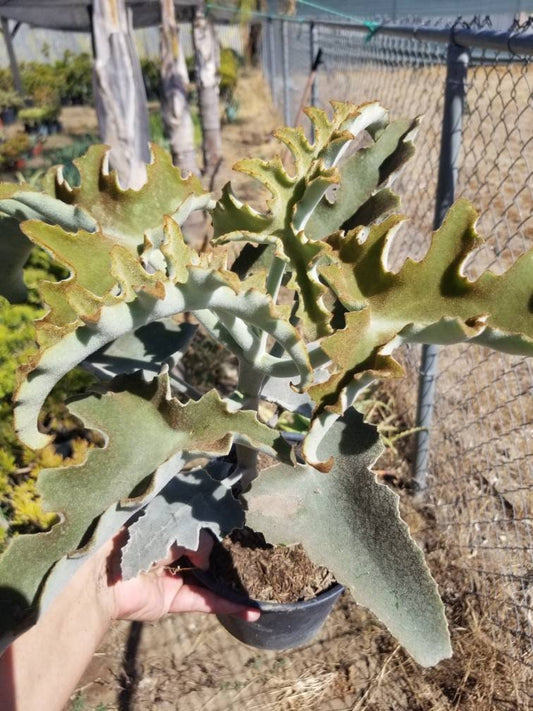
<point x="251" y="615"/>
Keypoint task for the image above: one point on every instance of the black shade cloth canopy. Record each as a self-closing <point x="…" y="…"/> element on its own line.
<point x="75" y="15"/>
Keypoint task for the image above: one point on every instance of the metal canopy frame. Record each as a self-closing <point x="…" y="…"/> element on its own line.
<point x="74" y="15"/>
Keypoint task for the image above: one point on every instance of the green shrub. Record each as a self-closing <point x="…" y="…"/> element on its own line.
<point x="151" y="71"/>
<point x="14" y="148"/>
<point x="20" y="466"/>
<point x="77" y="69"/>
<point x="35" y="115"/>
<point x="9" y="98"/>
<point x="6" y="79"/>
<point x="35" y="76"/>
<point x="157" y="130"/>
<point x="229" y="69"/>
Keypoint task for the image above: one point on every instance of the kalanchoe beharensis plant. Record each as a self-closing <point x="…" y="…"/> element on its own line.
<point x="343" y="314"/>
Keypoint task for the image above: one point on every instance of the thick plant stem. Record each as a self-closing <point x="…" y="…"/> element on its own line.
<point x="275" y="277"/>
<point x="120" y="96"/>
<point x="250" y="384"/>
<point x="273" y="284"/>
<point x="207" y="59"/>
<point x="175" y="89"/>
<point x="251" y="380"/>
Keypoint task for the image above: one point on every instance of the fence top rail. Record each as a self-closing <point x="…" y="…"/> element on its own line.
<point x="515" y="42"/>
<point x="518" y="42"/>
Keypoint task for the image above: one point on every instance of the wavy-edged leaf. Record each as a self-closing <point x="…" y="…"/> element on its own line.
<point x="109" y="523"/>
<point x="15" y="249"/>
<point x="90" y="310"/>
<point x="17" y="204"/>
<point x="430" y="301"/>
<point x="21" y="202"/>
<point x="360" y="176"/>
<point x="83" y="492"/>
<point x="126" y="215"/>
<point x="293" y="200"/>
<point x="350" y="524"/>
<point x="280" y="392"/>
<point x="146" y="349"/>
<point x="190" y="502"/>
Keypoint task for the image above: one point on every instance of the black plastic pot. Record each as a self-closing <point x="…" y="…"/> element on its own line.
<point x="281" y="625"/>
<point x="8" y="116"/>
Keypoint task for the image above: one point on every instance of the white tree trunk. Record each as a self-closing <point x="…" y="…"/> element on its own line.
<point x="207" y="58"/>
<point x="120" y="96"/>
<point x="175" y="90"/>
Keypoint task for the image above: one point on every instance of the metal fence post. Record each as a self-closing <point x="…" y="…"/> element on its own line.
<point x="450" y="146"/>
<point x="271" y="57"/>
<point x="313" y="44"/>
<point x="285" y="53"/>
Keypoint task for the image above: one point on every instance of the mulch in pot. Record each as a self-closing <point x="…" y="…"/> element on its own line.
<point x="245" y="563"/>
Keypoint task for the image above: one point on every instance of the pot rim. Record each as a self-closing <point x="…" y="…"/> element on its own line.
<point x="206" y="577"/>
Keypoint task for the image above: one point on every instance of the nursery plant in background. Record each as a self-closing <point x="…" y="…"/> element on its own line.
<point x="10" y="103"/>
<point x="14" y="151"/>
<point x="313" y="318"/>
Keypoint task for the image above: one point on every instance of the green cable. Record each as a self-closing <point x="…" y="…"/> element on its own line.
<point x="372" y="27"/>
<point x="316" y="6"/>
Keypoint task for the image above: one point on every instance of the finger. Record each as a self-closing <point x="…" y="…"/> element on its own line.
<point x="193" y="598"/>
<point x="200" y="557"/>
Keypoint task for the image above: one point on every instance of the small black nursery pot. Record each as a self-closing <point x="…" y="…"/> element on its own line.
<point x="281" y="625"/>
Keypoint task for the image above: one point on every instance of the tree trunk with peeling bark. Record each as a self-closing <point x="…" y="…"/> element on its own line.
<point x="120" y="96"/>
<point x="207" y="60"/>
<point x="175" y="93"/>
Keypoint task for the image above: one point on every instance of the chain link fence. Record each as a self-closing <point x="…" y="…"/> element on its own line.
<point x="477" y="513"/>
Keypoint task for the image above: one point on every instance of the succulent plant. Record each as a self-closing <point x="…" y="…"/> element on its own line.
<point x="343" y="313"/>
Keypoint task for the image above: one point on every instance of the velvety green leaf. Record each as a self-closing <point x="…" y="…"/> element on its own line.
<point x="280" y="392"/>
<point x="190" y="502"/>
<point x="293" y="200"/>
<point x="146" y="349"/>
<point x="83" y="492"/>
<point x="349" y="523"/>
<point x="17" y="204"/>
<point x="144" y="298"/>
<point x="360" y="176"/>
<point x="15" y="249"/>
<point x="24" y="203"/>
<point x="430" y="301"/>
<point x="106" y="528"/>
<point x="126" y="215"/>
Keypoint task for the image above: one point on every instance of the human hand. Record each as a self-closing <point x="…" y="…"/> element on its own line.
<point x="150" y="596"/>
<point x="75" y="623"/>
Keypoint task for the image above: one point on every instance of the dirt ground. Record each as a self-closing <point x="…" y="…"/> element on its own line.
<point x="190" y="662"/>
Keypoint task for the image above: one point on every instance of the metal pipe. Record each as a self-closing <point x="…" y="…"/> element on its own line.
<point x="516" y="43"/>
<point x="313" y="46"/>
<point x="451" y="138"/>
<point x="285" y="56"/>
<point x="272" y="57"/>
<point x="8" y="39"/>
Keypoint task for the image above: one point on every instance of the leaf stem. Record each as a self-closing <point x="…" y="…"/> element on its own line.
<point x="273" y="284"/>
<point x="251" y="379"/>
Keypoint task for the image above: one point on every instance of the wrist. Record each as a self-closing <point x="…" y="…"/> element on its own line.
<point x="103" y="591"/>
